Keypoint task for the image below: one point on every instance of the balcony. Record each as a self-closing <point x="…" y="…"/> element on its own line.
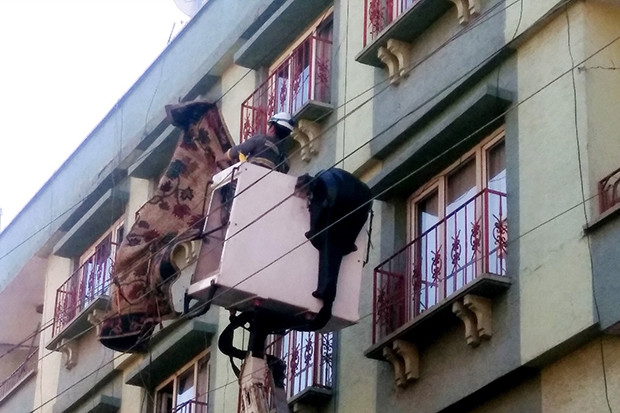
<point x="84" y="288"/>
<point x="404" y="20"/>
<point x="465" y="253"/>
<point x="20" y="375"/>
<point x="300" y="85"/>
<point x="609" y="191"/>
<point x="378" y="14"/>
<point x="309" y="363"/>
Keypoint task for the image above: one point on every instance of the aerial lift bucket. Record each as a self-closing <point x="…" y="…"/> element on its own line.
<point x="254" y="254"/>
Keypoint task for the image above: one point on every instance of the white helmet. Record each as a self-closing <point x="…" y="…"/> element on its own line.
<point x="283" y="119"/>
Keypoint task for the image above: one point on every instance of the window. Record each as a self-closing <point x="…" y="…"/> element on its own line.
<point x="90" y="280"/>
<point x="458" y="231"/>
<point x="187" y="391"/>
<point x="445" y="220"/>
<point x="300" y="77"/>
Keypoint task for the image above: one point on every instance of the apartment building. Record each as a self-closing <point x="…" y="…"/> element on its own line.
<point x="487" y="132"/>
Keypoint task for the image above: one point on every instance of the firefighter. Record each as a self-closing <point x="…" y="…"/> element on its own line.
<point x="268" y="149"/>
<point x="339" y="205"/>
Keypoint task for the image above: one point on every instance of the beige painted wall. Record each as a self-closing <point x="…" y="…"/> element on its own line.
<point x="354" y="110"/>
<point x="50" y="362"/>
<point x="602" y="76"/>
<point x="236" y="85"/>
<point x="224" y="388"/>
<point x="554" y="274"/>
<point x="576" y="383"/>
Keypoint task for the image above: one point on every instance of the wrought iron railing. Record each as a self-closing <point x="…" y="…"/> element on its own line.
<point x="25" y="369"/>
<point x="470" y="241"/>
<point x="308" y="357"/>
<point x="302" y="77"/>
<point x="378" y="14"/>
<point x="90" y="281"/>
<point x="191" y="406"/>
<point x="609" y="191"/>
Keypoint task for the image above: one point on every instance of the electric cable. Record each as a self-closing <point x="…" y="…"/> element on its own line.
<point x="544" y="85"/>
<point x="520" y="235"/>
<point x="583" y="197"/>
<point x="586" y="59"/>
<point x="385" y="82"/>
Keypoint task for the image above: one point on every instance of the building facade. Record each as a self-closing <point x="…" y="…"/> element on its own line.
<point x="487" y="132"/>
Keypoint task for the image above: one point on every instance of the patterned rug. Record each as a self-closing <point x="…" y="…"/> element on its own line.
<point x="143" y="273"/>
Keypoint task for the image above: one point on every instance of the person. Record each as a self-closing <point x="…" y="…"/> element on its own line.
<point x="268" y="149"/>
<point x="339" y="205"/>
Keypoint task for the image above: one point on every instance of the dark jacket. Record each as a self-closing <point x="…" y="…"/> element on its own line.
<point x="339" y="207"/>
<point x="262" y="150"/>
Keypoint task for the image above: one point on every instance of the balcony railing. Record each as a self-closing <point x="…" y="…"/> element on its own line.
<point x="191" y="406"/>
<point x="28" y="367"/>
<point x="609" y="191"/>
<point x="309" y="360"/>
<point x="378" y="14"/>
<point x="90" y="281"/>
<point x="467" y="243"/>
<point x="304" y="76"/>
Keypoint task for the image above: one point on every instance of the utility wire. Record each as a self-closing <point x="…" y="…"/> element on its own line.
<point x="473" y="134"/>
<point x="564" y="73"/>
<point x="516" y="105"/>
<point x="583" y="197"/>
<point x="481" y="19"/>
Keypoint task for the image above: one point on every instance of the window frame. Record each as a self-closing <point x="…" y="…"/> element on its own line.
<point x="173" y="379"/>
<point x="439" y="184"/>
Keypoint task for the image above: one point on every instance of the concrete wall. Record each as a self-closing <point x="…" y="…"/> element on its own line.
<point x="21" y="399"/>
<point x="550" y="301"/>
<point x="554" y="270"/>
<point x="584" y="380"/>
<point x="50" y="362"/>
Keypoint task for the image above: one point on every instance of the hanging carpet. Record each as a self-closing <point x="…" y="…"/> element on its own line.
<point x="143" y="273"/>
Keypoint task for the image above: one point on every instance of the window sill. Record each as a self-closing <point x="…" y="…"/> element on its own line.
<point x="486" y="285"/>
<point x="79" y="324"/>
<point x="406" y="27"/>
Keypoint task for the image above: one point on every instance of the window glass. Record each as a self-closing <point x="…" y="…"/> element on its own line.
<point x="426" y="251"/>
<point x="461" y="185"/>
<point x="186" y="391"/>
<point x="497" y="167"/>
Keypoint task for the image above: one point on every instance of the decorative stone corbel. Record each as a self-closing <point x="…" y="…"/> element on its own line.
<point x="409" y="353"/>
<point x="185" y="253"/>
<point x="474" y="8"/>
<point x="466" y="9"/>
<point x="96" y="318"/>
<point x="307" y="134"/>
<point x="477" y="315"/>
<point x="398" y="366"/>
<point x="402" y="51"/>
<point x="469" y="319"/>
<point x="391" y="61"/>
<point x="482" y="308"/>
<point x="69" y="350"/>
<point x="405" y="361"/>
